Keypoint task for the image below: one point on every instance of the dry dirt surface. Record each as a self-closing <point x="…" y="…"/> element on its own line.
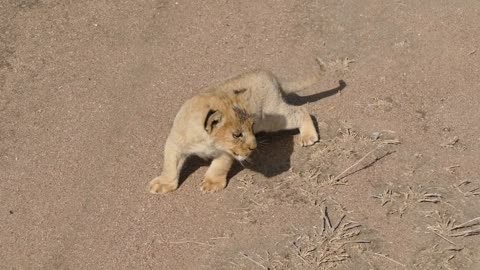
<point x="89" y="90"/>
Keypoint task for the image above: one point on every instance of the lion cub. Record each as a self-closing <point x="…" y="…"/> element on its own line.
<point x="221" y="124"/>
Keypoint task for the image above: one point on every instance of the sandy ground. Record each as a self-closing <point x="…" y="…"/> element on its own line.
<point x="89" y="90"/>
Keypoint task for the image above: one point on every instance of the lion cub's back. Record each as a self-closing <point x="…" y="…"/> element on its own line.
<point x="257" y="88"/>
<point x="257" y="81"/>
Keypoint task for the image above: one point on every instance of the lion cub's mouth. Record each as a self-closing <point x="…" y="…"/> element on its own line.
<point x="239" y="157"/>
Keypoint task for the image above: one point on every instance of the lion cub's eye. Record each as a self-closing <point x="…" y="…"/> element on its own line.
<point x="238" y="135"/>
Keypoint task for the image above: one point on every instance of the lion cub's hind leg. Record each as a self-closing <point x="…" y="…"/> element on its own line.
<point x="308" y="133"/>
<point x="294" y="117"/>
<point x="216" y="175"/>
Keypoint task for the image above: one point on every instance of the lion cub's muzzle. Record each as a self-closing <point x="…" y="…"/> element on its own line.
<point x="242" y="153"/>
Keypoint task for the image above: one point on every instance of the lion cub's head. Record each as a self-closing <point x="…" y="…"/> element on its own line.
<point x="231" y="127"/>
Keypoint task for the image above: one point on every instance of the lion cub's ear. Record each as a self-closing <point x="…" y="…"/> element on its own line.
<point x="212" y="120"/>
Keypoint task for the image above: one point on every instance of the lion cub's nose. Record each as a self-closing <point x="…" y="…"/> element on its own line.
<point x="253" y="146"/>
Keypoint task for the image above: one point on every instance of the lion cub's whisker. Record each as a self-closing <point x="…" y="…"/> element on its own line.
<point x="241" y="163"/>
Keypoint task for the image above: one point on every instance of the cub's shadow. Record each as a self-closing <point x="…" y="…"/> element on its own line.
<point x="272" y="156"/>
<point x="295" y="99"/>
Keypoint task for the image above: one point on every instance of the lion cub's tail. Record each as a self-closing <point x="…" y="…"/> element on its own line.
<point x="296" y="86"/>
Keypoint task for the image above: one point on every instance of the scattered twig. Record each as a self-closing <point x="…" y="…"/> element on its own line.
<point x="252" y="260"/>
<point x="466" y="183"/>
<point x="388" y="258"/>
<point x="258" y="204"/>
<point x="444" y="238"/>
<point x="342" y="174"/>
<point x="189" y="242"/>
<point x="358" y="242"/>
<point x="470" y="223"/>
<point x="430" y="197"/>
<point x="453" y="249"/>
<point x="339" y="222"/>
<point x="451" y="142"/>
<point x="450" y="169"/>
<point x="349" y="226"/>
<point x="467" y="233"/>
<point x="326" y="218"/>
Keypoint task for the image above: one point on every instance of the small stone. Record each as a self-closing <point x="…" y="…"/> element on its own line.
<point x="375" y="136"/>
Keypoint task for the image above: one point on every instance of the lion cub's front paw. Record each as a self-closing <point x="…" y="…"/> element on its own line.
<point x="161" y="185"/>
<point x="213" y="185"/>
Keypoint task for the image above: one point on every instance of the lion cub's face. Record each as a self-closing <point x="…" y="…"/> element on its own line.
<point x="232" y="130"/>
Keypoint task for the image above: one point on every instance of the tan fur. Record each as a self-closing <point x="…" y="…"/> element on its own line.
<point x="207" y="124"/>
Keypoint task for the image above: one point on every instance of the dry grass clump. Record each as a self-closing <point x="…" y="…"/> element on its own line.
<point x="318" y="248"/>
<point x="327" y="244"/>
<point x="467" y="188"/>
<point x="447" y="226"/>
<point x="402" y="201"/>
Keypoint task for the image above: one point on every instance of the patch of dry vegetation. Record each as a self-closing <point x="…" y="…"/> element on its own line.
<point x="467" y="188"/>
<point x="328" y="243"/>
<point x="449" y="252"/>
<point x="319" y="247"/>
<point x="446" y="226"/>
<point x="401" y="201"/>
